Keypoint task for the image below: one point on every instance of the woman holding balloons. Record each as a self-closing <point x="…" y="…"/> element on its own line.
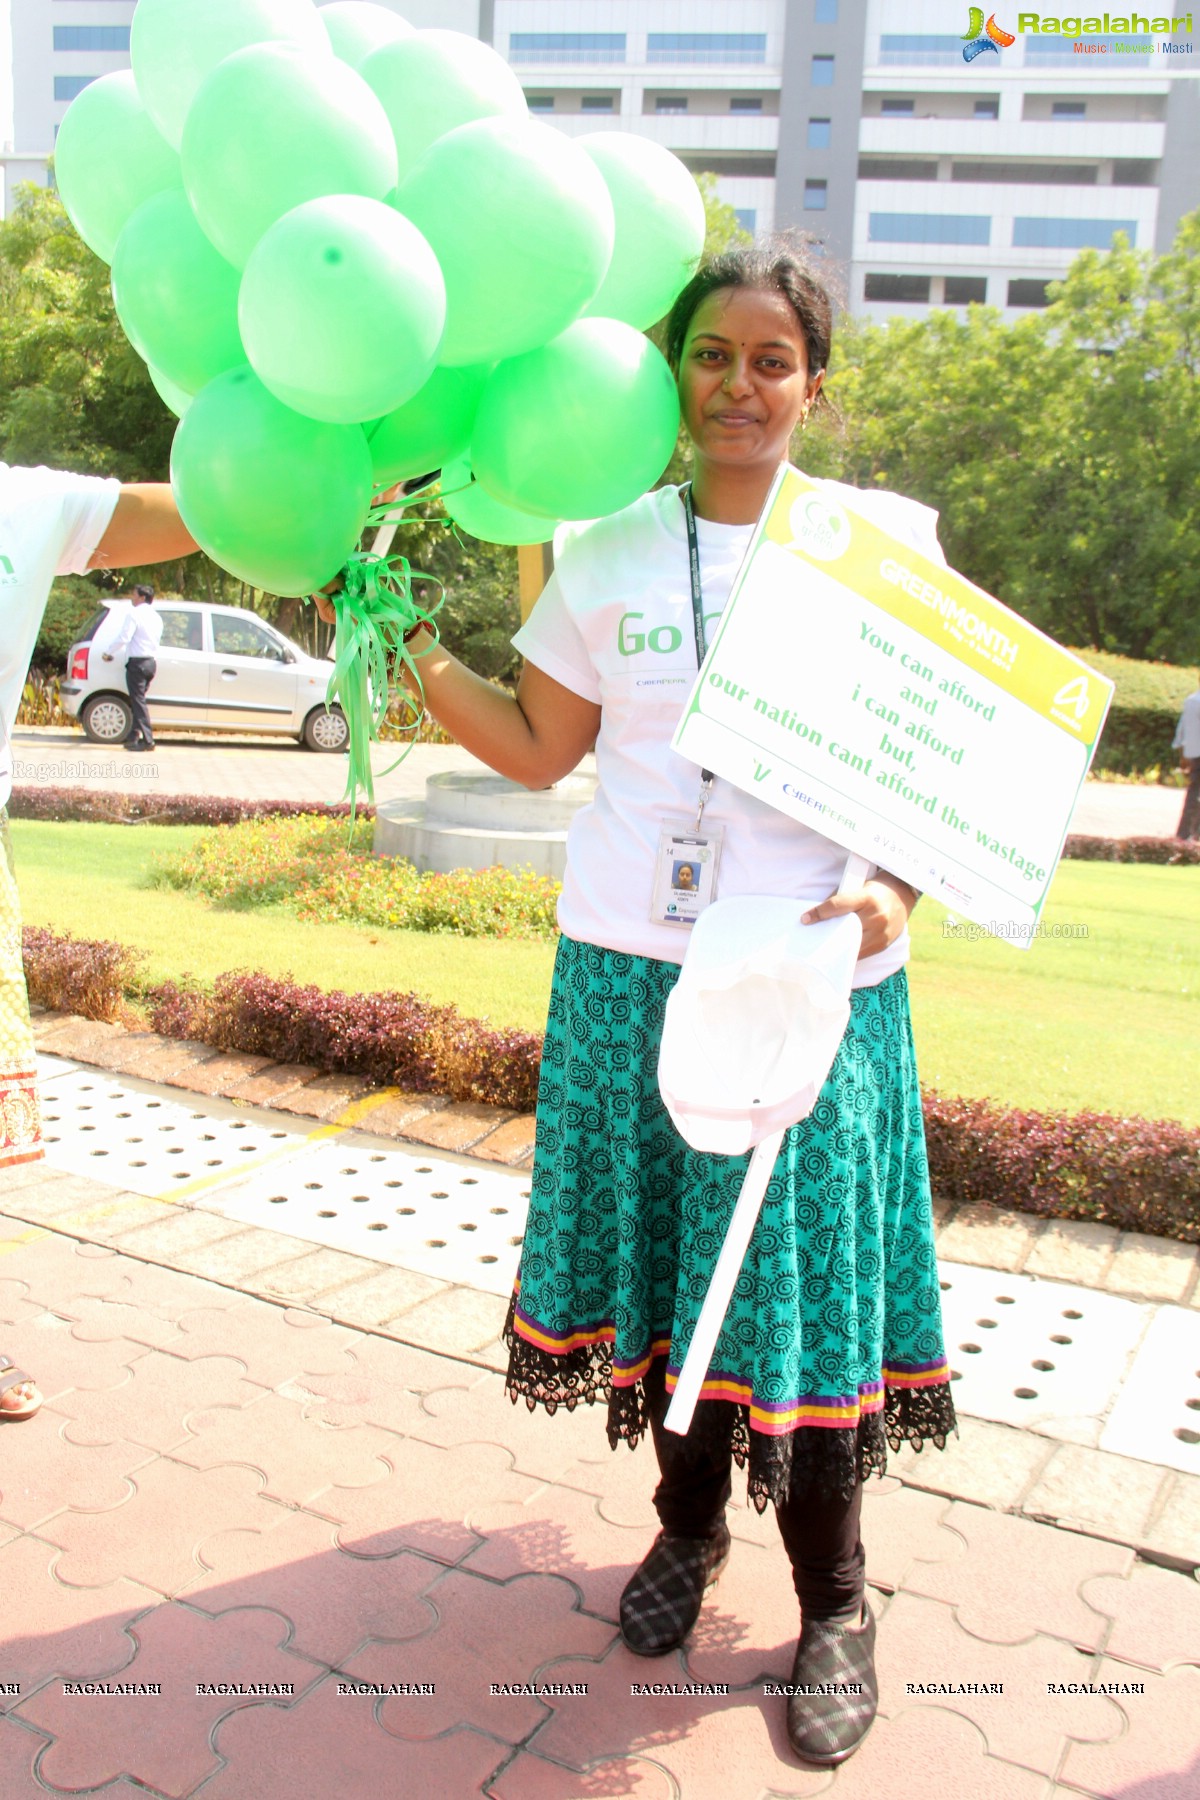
<point x="833" y="1342"/>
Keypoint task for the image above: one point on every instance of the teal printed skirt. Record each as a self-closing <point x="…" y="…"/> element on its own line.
<point x="832" y="1347"/>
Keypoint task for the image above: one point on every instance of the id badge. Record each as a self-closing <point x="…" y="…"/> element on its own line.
<point x="685" y="872"/>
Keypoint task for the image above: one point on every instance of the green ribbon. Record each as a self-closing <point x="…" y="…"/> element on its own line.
<point x="374" y="609"/>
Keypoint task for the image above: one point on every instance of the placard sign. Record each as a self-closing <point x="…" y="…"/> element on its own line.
<point x="896" y="708"/>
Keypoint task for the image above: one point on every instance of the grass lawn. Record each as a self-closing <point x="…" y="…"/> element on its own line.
<point x="1106" y="1022"/>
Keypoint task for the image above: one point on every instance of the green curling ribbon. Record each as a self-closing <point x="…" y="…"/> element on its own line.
<point x="374" y="609"/>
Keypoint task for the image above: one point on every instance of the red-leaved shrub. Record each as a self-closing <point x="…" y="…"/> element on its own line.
<point x="94" y="806"/>
<point x="1138" y="1174"/>
<point x="1132" y="850"/>
<point x="77" y="975"/>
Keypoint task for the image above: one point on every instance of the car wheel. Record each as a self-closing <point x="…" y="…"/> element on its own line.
<point x="108" y="719"/>
<point x="326" y="730"/>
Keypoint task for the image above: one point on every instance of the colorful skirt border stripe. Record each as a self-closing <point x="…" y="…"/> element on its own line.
<point x="774" y="1418"/>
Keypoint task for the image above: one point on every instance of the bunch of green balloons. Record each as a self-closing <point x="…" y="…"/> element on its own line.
<point x="349" y="257"/>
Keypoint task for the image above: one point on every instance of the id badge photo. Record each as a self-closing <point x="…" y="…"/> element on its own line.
<point x="685" y="872"/>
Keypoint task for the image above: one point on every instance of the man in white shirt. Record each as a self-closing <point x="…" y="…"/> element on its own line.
<point x="137" y="640"/>
<point x="51" y="523"/>
<point x="1187" y="742"/>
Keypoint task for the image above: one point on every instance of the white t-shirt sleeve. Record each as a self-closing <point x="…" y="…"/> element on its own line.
<point x="88" y="504"/>
<point x="552" y="641"/>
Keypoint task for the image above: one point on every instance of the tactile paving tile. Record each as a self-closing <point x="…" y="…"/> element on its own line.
<point x="1039" y="1354"/>
<point x="127" y="1134"/>
<point x="462" y="1222"/>
<point x="51" y="1068"/>
<point x="1157" y="1413"/>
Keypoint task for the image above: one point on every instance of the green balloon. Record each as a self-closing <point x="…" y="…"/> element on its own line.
<point x="174" y="44"/>
<point x="660" y="227"/>
<point x="273" y="127"/>
<point x="521" y="222"/>
<point x="357" y="27"/>
<point x="482" y="516"/>
<point x="175" y="297"/>
<point x="342" y="308"/>
<point x="175" y="398"/>
<point x="433" y="81"/>
<point x="428" y="431"/>
<point x="276" y="499"/>
<point x="108" y="158"/>
<point x="579" y="428"/>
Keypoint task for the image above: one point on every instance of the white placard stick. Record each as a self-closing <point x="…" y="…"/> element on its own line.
<point x="737" y="1241"/>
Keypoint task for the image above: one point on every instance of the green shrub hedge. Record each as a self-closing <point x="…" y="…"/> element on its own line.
<point x="1143" y="716"/>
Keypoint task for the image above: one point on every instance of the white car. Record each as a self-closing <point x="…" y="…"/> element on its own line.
<point x="220" y="668"/>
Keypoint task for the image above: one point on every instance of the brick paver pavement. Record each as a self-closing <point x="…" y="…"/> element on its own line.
<point x="246" y="1551"/>
<point x="259" y="769"/>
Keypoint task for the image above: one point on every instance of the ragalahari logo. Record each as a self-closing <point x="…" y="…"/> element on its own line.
<point x="981" y="37"/>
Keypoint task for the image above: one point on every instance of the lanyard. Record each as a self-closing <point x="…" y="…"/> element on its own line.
<point x="706" y="775"/>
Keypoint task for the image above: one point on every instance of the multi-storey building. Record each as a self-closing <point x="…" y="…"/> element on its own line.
<point x="932" y="180"/>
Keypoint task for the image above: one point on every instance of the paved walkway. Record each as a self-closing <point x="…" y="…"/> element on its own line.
<point x="277" y="1533"/>
<point x="258" y="769"/>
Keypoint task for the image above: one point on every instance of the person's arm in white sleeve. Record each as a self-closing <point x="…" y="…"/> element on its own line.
<point x="114" y="650"/>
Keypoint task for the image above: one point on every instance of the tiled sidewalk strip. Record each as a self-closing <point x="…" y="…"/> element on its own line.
<point x="221" y="1491"/>
<point x="1100" y="1256"/>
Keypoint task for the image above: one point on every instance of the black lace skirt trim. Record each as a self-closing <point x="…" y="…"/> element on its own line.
<point x="833" y="1461"/>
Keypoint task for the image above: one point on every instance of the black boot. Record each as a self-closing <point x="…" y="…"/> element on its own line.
<point x="834" y="1692"/>
<point x="662" y="1600"/>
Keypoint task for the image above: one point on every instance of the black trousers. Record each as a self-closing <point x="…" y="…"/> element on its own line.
<point x="1189" y="819"/>
<point x="820" y="1535"/>
<point x="139" y="673"/>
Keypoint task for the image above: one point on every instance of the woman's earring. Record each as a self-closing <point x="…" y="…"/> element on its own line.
<point x="804" y="417"/>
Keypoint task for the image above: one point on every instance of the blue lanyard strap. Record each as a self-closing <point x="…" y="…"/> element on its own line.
<point x="689" y="513"/>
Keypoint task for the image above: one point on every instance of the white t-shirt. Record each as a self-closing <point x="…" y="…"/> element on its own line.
<point x="50" y="524"/>
<point x="615" y="626"/>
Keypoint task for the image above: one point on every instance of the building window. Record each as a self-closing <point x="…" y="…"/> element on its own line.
<point x="1028" y="293"/>
<point x="671" y="103"/>
<point x="1070" y="234"/>
<point x="1027" y="174"/>
<point x="820" y="134"/>
<point x="930" y="228"/>
<point x="909" y="47"/>
<point x="67" y="86"/>
<point x="897" y="109"/>
<point x="822" y="71"/>
<point x="1068" y="109"/>
<point x="745" y="103"/>
<point x="825" y="12"/>
<point x="597" y="103"/>
<point x="706" y="47"/>
<point x="896" y="168"/>
<point x="966" y="290"/>
<point x="1135" y="172"/>
<point x="816" y="196"/>
<point x="988" y="109"/>
<point x="540" y="102"/>
<point x="912" y="290"/>
<point x="747" y="217"/>
<point x="566" y="46"/>
<point x="91" y="37"/>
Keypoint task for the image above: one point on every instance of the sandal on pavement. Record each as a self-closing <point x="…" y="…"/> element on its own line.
<point x="833" y="1694"/>
<point x="12" y="1381"/>
<point x="662" y="1600"/>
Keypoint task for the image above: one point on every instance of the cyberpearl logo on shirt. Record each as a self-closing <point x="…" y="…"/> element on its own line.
<point x="8" y="575"/>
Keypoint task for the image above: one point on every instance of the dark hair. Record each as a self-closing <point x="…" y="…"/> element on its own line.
<point x="777" y="264"/>
<point x="144" y="591"/>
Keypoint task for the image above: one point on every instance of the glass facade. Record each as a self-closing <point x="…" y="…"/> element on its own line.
<point x="911" y="290"/>
<point x="925" y="49"/>
<point x="930" y="228"/>
<point x="91" y="37"/>
<point x="1070" y="234"/>
<point x="820" y="134"/>
<point x="706" y="47"/>
<point x="816" y="196"/>
<point x="567" y="46"/>
<point x="822" y="71"/>
<point x="67" y="86"/>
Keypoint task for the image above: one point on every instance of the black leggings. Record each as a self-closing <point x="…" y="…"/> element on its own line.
<point x="820" y="1535"/>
